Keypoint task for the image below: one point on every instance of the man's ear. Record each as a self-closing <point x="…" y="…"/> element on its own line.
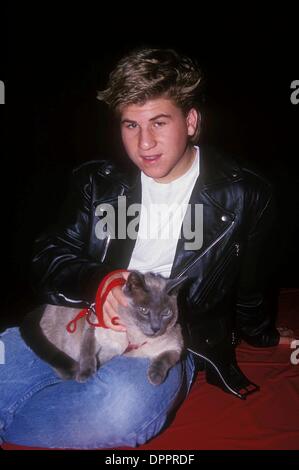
<point x="174" y="285"/>
<point x="193" y="120"/>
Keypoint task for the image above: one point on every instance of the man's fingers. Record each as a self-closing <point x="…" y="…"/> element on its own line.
<point x="111" y="306"/>
<point x="120" y="297"/>
<point x="109" y="315"/>
<point x="112" y="301"/>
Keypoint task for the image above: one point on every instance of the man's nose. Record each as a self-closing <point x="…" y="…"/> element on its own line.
<point x="146" y="140"/>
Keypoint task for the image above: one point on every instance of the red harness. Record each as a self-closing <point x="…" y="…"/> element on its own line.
<point x="97" y="307"/>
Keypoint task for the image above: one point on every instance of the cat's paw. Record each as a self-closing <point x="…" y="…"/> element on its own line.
<point x="66" y="374"/>
<point x="156" y="375"/>
<point x="83" y="375"/>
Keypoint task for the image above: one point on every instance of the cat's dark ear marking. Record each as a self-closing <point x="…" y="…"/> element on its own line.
<point x="174" y="285"/>
<point x="135" y="282"/>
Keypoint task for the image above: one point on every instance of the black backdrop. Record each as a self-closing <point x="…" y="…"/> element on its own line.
<point x="53" y="122"/>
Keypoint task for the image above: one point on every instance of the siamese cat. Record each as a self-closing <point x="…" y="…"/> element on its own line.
<point x="152" y="331"/>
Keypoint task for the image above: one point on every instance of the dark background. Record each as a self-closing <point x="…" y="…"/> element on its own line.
<point x="53" y="122"/>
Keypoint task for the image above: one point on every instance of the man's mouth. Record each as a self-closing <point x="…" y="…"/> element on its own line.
<point x="151" y="158"/>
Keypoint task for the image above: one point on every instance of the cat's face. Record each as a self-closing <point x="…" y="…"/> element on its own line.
<point x="151" y="307"/>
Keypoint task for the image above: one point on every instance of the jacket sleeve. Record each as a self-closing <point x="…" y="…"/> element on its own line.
<point x="255" y="320"/>
<point x="63" y="273"/>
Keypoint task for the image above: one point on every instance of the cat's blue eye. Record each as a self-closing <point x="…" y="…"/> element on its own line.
<point x="166" y="313"/>
<point x="144" y="310"/>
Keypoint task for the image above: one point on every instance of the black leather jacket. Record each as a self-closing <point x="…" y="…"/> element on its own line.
<point x="223" y="297"/>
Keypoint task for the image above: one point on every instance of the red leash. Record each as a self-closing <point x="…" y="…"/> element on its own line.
<point x="97" y="307"/>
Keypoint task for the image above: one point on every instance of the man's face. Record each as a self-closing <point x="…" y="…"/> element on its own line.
<point x="155" y="136"/>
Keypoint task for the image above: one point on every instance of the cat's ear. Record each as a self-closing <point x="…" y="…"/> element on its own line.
<point x="135" y="282"/>
<point x="174" y="285"/>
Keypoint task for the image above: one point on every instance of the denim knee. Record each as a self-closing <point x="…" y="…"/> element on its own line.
<point x="138" y="410"/>
<point x="115" y="408"/>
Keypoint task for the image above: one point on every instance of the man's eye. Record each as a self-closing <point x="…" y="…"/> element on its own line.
<point x="159" y="124"/>
<point x="131" y="125"/>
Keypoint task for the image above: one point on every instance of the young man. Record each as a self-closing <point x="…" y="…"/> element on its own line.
<point x="156" y="96"/>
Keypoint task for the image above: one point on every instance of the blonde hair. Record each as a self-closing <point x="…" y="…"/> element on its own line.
<point x="146" y="74"/>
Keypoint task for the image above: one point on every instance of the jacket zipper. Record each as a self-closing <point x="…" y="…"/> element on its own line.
<point x="218" y="372"/>
<point x="75" y="302"/>
<point x="205" y="291"/>
<point x="107" y="242"/>
<point x="236" y="249"/>
<point x="206" y="250"/>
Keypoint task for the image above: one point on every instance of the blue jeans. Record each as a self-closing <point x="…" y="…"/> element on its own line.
<point x="114" y="408"/>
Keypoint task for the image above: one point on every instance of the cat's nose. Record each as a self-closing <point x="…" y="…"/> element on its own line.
<point x="155" y="328"/>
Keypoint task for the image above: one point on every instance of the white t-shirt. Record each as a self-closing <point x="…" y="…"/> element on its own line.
<point x="162" y="212"/>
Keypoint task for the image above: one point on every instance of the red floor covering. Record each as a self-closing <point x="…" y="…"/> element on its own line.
<point x="269" y="419"/>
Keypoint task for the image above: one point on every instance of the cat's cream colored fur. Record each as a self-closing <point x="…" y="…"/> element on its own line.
<point x="91" y="346"/>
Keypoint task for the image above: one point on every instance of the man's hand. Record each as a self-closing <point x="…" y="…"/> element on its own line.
<point x="286" y="335"/>
<point x="111" y="304"/>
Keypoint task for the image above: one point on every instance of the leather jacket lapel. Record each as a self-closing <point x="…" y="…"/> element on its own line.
<point x="119" y="249"/>
<point x="217" y="219"/>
